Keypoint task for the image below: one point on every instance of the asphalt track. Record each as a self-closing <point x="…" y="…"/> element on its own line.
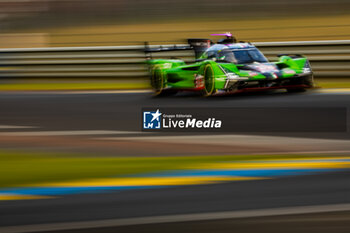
<point x="122" y="111"/>
<point x="118" y="115"/>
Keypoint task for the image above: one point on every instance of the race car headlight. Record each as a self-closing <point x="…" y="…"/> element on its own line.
<point x="306" y="70"/>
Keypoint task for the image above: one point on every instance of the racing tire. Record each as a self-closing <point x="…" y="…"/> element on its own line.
<point x="158" y="83"/>
<point x="209" y="84"/>
<point x="157" y="80"/>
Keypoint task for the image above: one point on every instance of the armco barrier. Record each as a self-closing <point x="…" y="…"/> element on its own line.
<point x="328" y="58"/>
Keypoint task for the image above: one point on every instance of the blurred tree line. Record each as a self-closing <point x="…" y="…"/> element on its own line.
<point x="17" y="14"/>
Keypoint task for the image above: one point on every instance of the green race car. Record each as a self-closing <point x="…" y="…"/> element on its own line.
<point x="227" y="67"/>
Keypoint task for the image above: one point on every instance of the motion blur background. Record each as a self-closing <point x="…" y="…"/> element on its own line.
<point x="90" y="23"/>
<point x="68" y="155"/>
<point x="41" y="23"/>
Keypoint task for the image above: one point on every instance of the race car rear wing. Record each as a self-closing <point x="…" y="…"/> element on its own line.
<point x="162" y="48"/>
<point x="198" y="45"/>
<point x="149" y="50"/>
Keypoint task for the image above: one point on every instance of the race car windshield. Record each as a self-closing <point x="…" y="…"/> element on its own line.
<point x="241" y="56"/>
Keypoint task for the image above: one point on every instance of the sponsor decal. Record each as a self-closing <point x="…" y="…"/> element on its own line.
<point x="289" y="71"/>
<point x="199" y="80"/>
<point x="265" y="68"/>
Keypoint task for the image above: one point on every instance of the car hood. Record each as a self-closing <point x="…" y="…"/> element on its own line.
<point x="257" y="67"/>
<point x="261" y="67"/>
<point x="259" y="71"/>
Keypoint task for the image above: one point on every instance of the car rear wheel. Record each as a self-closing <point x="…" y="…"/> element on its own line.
<point x="158" y="83"/>
<point x="157" y="80"/>
<point x="209" y="84"/>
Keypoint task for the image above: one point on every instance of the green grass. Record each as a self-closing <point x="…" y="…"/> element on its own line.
<point x="20" y="169"/>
